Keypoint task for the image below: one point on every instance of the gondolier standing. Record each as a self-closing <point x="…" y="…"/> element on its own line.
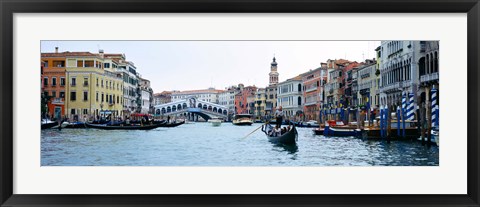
<point x="279" y="116"/>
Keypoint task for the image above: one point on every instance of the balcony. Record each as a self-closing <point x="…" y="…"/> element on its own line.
<point x="429" y="77"/>
<point x="310" y="103"/>
<point x="311" y="89"/>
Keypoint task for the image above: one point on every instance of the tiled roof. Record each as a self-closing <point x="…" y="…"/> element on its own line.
<point x="199" y="91"/>
<point x="69" y="54"/>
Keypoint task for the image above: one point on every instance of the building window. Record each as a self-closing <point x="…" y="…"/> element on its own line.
<point x="85" y="81"/>
<point x="80" y="63"/>
<point x="54" y="94"/>
<point x="85" y="111"/>
<point x="73" y="96"/>
<point x="59" y="64"/>
<point x="102" y="97"/>
<point x="85" y="96"/>
<point x="45" y="81"/>
<point x="62" y="94"/>
<point x="102" y="83"/>
<point x="74" y="81"/>
<point x="106" y="65"/>
<point x="89" y="63"/>
<point x="62" y="81"/>
<point x="54" y="81"/>
<point x="96" y="97"/>
<point x="72" y="111"/>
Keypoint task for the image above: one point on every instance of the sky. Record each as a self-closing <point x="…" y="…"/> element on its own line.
<point x="193" y="65"/>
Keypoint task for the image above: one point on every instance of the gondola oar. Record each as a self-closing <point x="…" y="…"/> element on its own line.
<point x="253" y="131"/>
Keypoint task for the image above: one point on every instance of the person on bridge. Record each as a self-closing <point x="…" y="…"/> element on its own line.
<point x="279" y="116"/>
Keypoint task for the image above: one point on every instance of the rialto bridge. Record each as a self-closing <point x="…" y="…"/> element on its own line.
<point x="192" y="108"/>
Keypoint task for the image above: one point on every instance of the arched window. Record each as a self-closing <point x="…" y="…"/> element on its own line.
<point x="300" y="87"/>
<point x="169" y="109"/>
<point x="184" y="105"/>
<point x="174" y="108"/>
<point x="436" y="62"/>
<point x="157" y="111"/>
<point x="199" y="105"/>
<point x="299" y="101"/>
<point x="163" y="110"/>
<point x="179" y="107"/>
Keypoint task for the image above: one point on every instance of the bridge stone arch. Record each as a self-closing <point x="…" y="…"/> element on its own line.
<point x="192" y="107"/>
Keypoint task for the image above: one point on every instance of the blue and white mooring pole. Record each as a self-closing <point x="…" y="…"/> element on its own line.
<point x="434" y="107"/>
<point x="381" y="121"/>
<point x="404" y="112"/>
<point x="411" y="107"/>
<point x="398" y="121"/>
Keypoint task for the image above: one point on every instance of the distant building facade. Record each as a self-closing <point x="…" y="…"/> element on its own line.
<point x="290" y="98"/>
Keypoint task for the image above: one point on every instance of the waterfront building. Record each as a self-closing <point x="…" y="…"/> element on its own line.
<point x="367" y="85"/>
<point x="271" y="89"/>
<point x="91" y="90"/>
<point x="260" y="103"/>
<point x="290" y="97"/>
<point x="146" y="97"/>
<point x="227" y="99"/>
<point x="54" y="83"/>
<point x="128" y="72"/>
<point x="313" y="83"/>
<point x="349" y="83"/>
<point x="162" y="98"/>
<point x="209" y="95"/>
<point x="335" y="87"/>
<point x="244" y="100"/>
<point x="429" y="79"/>
<point x="399" y="70"/>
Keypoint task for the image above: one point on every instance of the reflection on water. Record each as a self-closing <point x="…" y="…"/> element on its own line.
<point x="200" y="144"/>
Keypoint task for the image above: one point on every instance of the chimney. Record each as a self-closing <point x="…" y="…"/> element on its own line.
<point x="56" y="49"/>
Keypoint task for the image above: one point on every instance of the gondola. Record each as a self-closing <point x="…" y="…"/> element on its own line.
<point x="49" y="125"/>
<point x="289" y="137"/>
<point x="173" y="124"/>
<point x="124" y="127"/>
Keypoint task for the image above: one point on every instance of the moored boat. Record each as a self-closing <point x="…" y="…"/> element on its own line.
<point x="175" y="124"/>
<point x="242" y="120"/>
<point x="374" y="132"/>
<point x="215" y="122"/>
<point x="289" y="137"/>
<point x="74" y="125"/>
<point x="49" y="124"/>
<point x="123" y="127"/>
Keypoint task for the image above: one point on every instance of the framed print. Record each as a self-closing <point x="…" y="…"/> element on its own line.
<point x="199" y="103"/>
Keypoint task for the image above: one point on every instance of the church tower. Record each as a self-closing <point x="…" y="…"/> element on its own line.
<point x="273" y="73"/>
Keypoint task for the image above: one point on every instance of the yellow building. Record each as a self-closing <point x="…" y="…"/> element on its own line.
<point x="260" y="104"/>
<point x="91" y="90"/>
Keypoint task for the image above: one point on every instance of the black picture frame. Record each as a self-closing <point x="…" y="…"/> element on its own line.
<point x="10" y="7"/>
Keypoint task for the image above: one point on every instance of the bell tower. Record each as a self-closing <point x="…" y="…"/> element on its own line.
<point x="273" y="73"/>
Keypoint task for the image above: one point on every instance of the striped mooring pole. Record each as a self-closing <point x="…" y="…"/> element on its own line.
<point x="434" y="107"/>
<point x="411" y="107"/>
<point x="404" y="112"/>
<point x="382" y="121"/>
<point x="398" y="121"/>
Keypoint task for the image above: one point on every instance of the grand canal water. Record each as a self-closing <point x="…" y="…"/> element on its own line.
<point x="200" y="144"/>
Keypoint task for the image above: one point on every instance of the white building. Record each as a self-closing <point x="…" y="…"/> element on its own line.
<point x="399" y="69"/>
<point x="290" y="97"/>
<point x="146" y="96"/>
<point x="130" y="81"/>
<point x="227" y="98"/>
<point x="209" y="95"/>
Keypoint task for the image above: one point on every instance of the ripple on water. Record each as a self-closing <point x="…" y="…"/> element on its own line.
<point x="200" y="144"/>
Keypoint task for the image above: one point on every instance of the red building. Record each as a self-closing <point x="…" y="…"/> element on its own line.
<point x="313" y="92"/>
<point x="244" y="100"/>
<point x="53" y="82"/>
